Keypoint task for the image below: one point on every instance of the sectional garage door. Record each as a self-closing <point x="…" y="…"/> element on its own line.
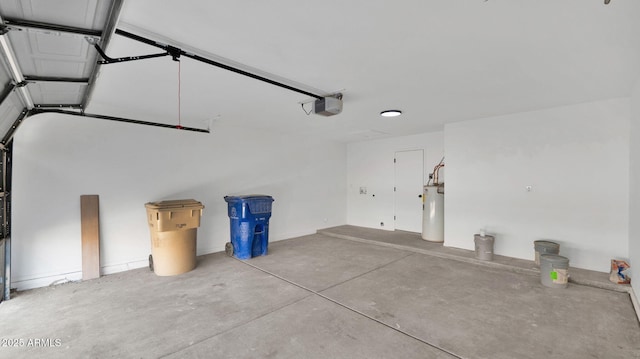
<point x="48" y="64"/>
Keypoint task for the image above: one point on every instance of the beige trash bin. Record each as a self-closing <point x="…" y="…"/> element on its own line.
<point x="173" y="226"/>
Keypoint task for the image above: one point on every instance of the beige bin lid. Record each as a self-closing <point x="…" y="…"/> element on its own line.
<point x="174" y="204"/>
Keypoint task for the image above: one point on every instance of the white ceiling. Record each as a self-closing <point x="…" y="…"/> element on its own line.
<point x="438" y="61"/>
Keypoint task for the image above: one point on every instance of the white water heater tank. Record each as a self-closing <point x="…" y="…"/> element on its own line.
<point x="433" y="213"/>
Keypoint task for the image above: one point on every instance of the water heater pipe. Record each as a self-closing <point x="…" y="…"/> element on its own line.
<point x="436" y="169"/>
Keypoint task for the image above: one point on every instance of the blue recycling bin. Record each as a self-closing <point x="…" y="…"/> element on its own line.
<point x="249" y="216"/>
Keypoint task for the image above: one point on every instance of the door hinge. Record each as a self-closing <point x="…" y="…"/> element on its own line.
<point x="394" y="160"/>
<point x="394" y="218"/>
<point x="394" y="189"/>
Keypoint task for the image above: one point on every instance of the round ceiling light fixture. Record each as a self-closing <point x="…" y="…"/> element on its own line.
<point x="391" y="113"/>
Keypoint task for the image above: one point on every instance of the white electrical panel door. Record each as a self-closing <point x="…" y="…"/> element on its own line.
<point x="409" y="181"/>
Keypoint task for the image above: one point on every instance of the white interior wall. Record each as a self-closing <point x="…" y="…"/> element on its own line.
<point x="576" y="158"/>
<point x="58" y="158"/>
<point x="370" y="165"/>
<point x="634" y="192"/>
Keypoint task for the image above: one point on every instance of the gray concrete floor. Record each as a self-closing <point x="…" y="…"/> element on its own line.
<point x="319" y="296"/>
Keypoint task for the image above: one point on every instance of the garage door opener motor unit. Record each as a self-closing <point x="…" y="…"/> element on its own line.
<point x="328" y="106"/>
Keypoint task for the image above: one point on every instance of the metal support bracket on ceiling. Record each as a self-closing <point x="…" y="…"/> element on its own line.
<point x="176" y="52"/>
<point x="171" y="51"/>
<point x="36" y="111"/>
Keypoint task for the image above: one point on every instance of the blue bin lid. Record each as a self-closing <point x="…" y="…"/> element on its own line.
<point x="248" y="197"/>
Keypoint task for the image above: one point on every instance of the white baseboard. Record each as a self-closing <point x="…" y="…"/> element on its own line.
<point x="32" y="283"/>
<point x="116" y="268"/>
<point x="289" y="235"/>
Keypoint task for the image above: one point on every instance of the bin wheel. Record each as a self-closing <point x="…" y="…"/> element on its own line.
<point x="150" y="262"/>
<point x="228" y="248"/>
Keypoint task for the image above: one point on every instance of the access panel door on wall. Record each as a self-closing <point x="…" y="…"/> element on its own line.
<point x="409" y="169"/>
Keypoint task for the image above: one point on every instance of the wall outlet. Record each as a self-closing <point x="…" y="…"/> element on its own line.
<point x="363" y="190"/>
<point x="381" y="224"/>
<point x="528" y="188"/>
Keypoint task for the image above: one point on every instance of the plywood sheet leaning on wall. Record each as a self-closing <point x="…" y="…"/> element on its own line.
<point x="90" y="223"/>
